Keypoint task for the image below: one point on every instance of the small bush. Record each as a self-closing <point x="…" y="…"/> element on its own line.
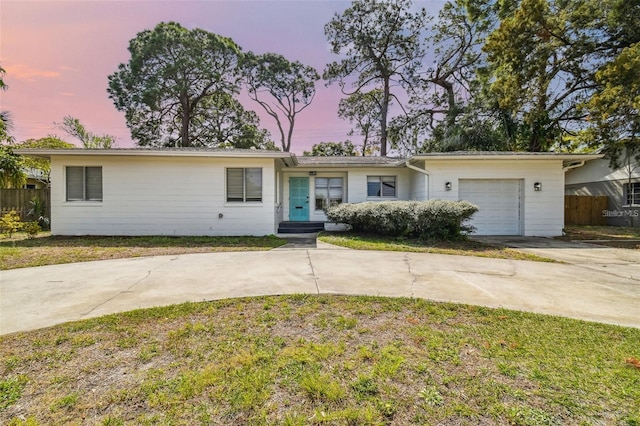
<point x="31" y="228"/>
<point x="434" y="219"/>
<point x="10" y="223"/>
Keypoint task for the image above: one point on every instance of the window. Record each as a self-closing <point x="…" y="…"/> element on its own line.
<point x="633" y="193"/>
<point x="328" y="192"/>
<point x="84" y="183"/>
<point x="381" y="186"/>
<point x="244" y="185"/>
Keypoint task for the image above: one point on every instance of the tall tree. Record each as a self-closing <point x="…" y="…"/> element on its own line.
<point x="439" y="109"/>
<point x="380" y="42"/>
<point x="166" y="86"/>
<point x="362" y="110"/>
<point x="89" y="140"/>
<point x="281" y="87"/>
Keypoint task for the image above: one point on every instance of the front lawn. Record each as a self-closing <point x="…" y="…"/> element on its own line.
<point x="313" y="360"/>
<point x="21" y="252"/>
<point x="463" y="247"/>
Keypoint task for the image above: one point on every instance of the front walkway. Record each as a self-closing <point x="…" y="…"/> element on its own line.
<point x="38" y="297"/>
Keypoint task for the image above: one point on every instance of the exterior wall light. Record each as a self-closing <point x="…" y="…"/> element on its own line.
<point x="313" y="173"/>
<point x="447" y="186"/>
<point x="537" y="186"/>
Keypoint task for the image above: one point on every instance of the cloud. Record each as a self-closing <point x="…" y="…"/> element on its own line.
<point x="25" y="72"/>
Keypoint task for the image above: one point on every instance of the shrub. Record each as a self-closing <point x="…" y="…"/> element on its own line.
<point x="10" y="223"/>
<point x="434" y="219"/>
<point x="31" y="228"/>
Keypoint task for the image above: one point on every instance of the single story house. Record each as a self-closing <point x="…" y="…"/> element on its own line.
<point x="252" y="192"/>
<point x="621" y="186"/>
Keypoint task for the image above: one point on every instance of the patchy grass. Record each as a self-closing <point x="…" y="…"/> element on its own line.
<point x="612" y="236"/>
<point x="462" y="247"/>
<point x="22" y="252"/>
<point x="292" y="361"/>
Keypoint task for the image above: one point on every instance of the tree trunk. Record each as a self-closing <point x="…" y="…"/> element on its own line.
<point x="384" y="109"/>
<point x="185" y="141"/>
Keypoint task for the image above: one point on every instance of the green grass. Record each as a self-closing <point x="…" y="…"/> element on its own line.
<point x="310" y="360"/>
<point x="21" y="252"/>
<point x="463" y="247"/>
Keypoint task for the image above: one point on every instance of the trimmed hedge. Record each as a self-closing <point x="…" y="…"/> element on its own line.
<point x="433" y="219"/>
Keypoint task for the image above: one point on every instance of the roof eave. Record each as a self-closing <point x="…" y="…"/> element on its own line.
<point x="288" y="158"/>
<point x="540" y="156"/>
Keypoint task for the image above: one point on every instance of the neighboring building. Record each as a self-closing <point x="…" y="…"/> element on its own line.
<point x="251" y="192"/>
<point x="621" y="185"/>
<point x="36" y="179"/>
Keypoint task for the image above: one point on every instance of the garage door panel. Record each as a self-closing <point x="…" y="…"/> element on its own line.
<point x="499" y="203"/>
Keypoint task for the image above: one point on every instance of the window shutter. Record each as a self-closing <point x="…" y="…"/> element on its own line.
<point x="253" y="182"/>
<point x="75" y="183"/>
<point x="93" y="176"/>
<point x="235" y="184"/>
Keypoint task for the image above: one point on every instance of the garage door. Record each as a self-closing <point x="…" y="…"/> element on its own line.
<point x="500" y="204"/>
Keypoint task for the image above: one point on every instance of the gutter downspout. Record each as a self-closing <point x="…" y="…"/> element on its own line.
<point x="423" y="171"/>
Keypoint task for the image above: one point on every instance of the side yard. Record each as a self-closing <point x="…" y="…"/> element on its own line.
<point x="611" y="236"/>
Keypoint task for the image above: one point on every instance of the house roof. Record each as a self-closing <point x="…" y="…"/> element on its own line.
<point x="332" y="161"/>
<point x="288" y="158"/>
<point x="493" y="155"/>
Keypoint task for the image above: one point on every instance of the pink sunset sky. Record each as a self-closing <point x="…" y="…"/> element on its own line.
<point x="58" y="54"/>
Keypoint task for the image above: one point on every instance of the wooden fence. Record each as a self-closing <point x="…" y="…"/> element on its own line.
<point x="585" y="209"/>
<point x="20" y="200"/>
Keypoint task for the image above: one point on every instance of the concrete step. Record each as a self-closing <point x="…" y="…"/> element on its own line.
<point x="300" y="227"/>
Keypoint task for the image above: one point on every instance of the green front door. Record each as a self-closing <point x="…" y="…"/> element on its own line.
<point x="299" y="199"/>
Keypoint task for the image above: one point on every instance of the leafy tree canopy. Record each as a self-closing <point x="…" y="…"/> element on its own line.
<point x="615" y="107"/>
<point x="333" y="149"/>
<point x="42" y="164"/>
<point x="12" y="174"/>
<point x="174" y="84"/>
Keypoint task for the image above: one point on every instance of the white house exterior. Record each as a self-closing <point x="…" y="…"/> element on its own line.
<point x="251" y="192"/>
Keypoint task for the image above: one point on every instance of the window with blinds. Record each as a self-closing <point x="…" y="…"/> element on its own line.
<point x="244" y="185"/>
<point x="381" y="186"/>
<point x="328" y="192"/>
<point x="633" y="194"/>
<point x="84" y="183"/>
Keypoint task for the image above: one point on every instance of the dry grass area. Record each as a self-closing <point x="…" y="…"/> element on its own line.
<point x="462" y="247"/>
<point x="312" y="360"/>
<point x="611" y="236"/>
<point x="21" y="252"/>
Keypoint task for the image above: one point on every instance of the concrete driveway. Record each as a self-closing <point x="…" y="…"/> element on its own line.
<point x="593" y="284"/>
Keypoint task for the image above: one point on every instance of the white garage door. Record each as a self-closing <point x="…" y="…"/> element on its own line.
<point x="500" y="204"/>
